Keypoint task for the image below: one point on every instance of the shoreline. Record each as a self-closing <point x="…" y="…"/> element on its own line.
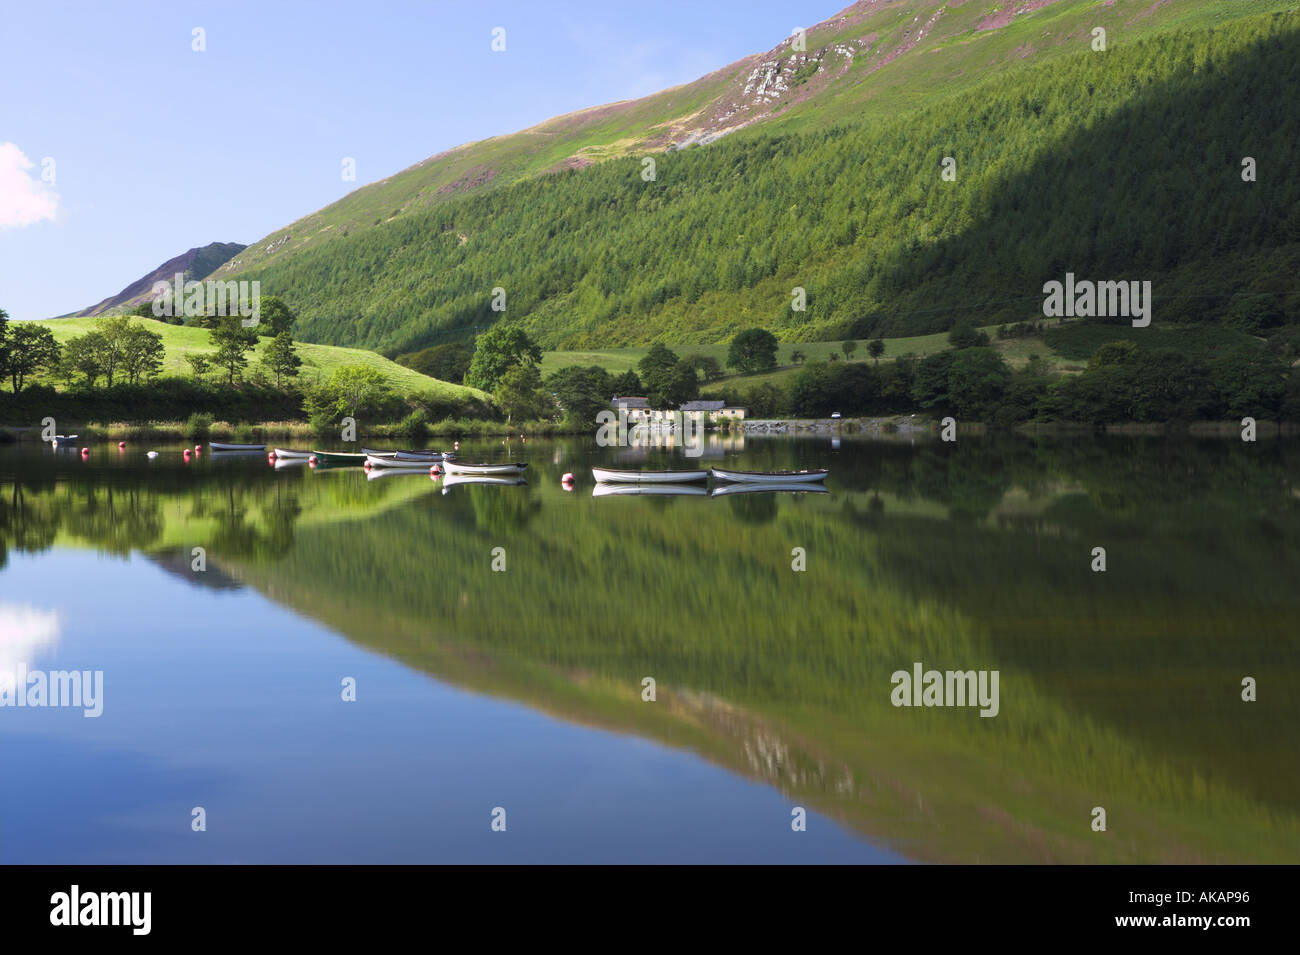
<point x="891" y="427"/>
<point x="909" y="426"/>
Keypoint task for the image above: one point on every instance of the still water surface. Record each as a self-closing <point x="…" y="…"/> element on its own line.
<point x="522" y="688"/>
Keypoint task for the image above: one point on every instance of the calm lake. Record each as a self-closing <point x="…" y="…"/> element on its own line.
<point x="522" y="688"/>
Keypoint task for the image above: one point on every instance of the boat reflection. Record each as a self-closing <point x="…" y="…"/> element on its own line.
<point x="648" y="490"/>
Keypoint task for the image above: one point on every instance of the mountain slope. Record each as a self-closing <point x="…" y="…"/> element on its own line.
<point x="195" y="264"/>
<point x="868" y="62"/>
<point x="1079" y="164"/>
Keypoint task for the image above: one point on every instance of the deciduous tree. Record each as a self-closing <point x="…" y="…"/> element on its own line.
<point x="752" y="350"/>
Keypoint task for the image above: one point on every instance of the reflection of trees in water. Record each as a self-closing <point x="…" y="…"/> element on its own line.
<point x="968" y="480"/>
<point x="237" y="535"/>
<point x="129" y="511"/>
<point x="118" y="519"/>
<point x="283" y="516"/>
<point x="871" y="517"/>
<point x="753" y="508"/>
<point x="896" y="584"/>
<point x="25" y="524"/>
<point x="502" y="510"/>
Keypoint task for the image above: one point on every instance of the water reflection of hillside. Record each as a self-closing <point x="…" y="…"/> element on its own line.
<point x="1118" y="686"/>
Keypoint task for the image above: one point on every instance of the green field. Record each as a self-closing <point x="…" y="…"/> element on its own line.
<point x="318" y="361"/>
<point x="617" y="360"/>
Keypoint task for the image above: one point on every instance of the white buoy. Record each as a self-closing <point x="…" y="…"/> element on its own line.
<point x="152" y="454"/>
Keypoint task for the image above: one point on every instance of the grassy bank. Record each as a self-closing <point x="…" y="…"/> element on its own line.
<point x="318" y="361"/>
<point x="301" y="431"/>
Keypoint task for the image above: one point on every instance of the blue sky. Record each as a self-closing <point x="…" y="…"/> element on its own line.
<point x="157" y="148"/>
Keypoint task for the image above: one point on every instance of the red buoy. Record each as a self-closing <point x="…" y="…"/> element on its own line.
<point x="566" y="482"/>
<point x="121" y="445"/>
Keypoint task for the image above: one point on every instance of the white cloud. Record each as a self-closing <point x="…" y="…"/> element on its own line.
<point x="23" y="200"/>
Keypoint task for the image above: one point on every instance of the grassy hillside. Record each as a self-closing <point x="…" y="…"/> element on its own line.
<point x="1078" y="164"/>
<point x="870" y="62"/>
<point x="318" y="361"/>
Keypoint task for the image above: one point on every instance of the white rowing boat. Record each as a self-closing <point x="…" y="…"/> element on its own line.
<point x="484" y="470"/>
<point x="374" y="474"/>
<point x="428" y="457"/>
<point x="375" y="461"/>
<point x="616" y="476"/>
<point x="218" y="446"/>
<point x="289" y="454"/>
<point x="770" y="477"/>
<point x="63" y="440"/>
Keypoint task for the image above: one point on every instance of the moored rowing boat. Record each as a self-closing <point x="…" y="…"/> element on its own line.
<point x="617" y="476"/>
<point x="428" y="457"/>
<point x="770" y="477"/>
<point x="375" y="461"/>
<point x="346" y="458"/>
<point x="406" y="455"/>
<point x="373" y="474"/>
<point x="289" y="453"/>
<point x="218" y="446"/>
